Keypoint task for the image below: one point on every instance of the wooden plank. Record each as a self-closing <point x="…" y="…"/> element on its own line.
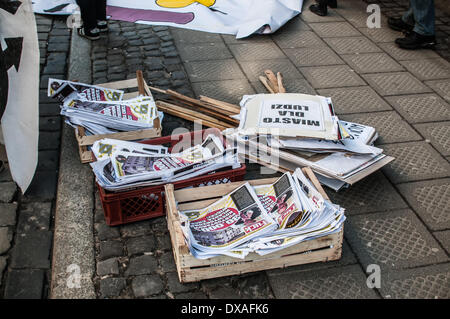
<point x="281" y="88"/>
<point x="272" y="80"/>
<point x="266" y="84"/>
<point x="125" y="84"/>
<point x="231" y="108"/>
<point x="140" y="82"/>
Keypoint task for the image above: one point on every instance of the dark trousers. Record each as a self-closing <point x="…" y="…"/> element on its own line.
<point x="421" y="14"/>
<point x="91" y="11"/>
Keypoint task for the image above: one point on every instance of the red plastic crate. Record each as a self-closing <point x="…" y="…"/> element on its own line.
<point x="148" y="202"/>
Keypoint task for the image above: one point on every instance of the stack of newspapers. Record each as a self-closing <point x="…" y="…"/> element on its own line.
<point x="261" y="219"/>
<point x="286" y="131"/>
<point x="124" y="165"/>
<point x="101" y="110"/>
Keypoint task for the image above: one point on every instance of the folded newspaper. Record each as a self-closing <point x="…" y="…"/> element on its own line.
<point x="127" y="165"/>
<point x="101" y="110"/>
<point x="261" y="219"/>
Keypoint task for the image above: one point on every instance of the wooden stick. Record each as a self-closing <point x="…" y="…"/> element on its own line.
<point x="140" y="82"/>
<point x="234" y="109"/>
<point x="281" y="88"/>
<point x="157" y="89"/>
<point x="266" y="84"/>
<point x="273" y="80"/>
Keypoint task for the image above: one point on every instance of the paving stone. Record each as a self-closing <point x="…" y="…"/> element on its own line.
<point x="395" y="83"/>
<point x="338" y="283"/>
<point x="49" y="123"/>
<point x="372" y="63"/>
<point x="108" y="267"/>
<point x="389" y="125"/>
<point x="372" y="194"/>
<point x="144" y="286"/>
<point x="2" y="266"/>
<point x="167" y="262"/>
<point x="334" y="29"/>
<point x="428" y="69"/>
<point x="231" y="39"/>
<point x="8" y="190"/>
<point x="184" y="36"/>
<point x="352" y="45"/>
<point x="204" y="51"/>
<point x="295" y="25"/>
<point x="8" y="214"/>
<point x="400" y="54"/>
<point x="32" y="250"/>
<point x="201" y="71"/>
<point x="110" y="248"/>
<point x="140" y="245"/>
<point x="430" y="201"/>
<point x="5" y="239"/>
<point x="254" y="286"/>
<point x="174" y="285"/>
<point x="432" y="282"/>
<point x="191" y="295"/>
<point x="414" y="161"/>
<point x="438" y="134"/>
<point x="112" y="287"/>
<point x="355" y="100"/>
<point x="291" y="86"/>
<point x="253" y="70"/>
<point x="5" y="175"/>
<point x="331" y="76"/>
<point x="441" y="87"/>
<point x="230" y="91"/>
<point x="383" y="34"/>
<point x="313" y="56"/>
<point x="136" y="229"/>
<point x="224" y="293"/>
<point x="105" y="232"/>
<point x="58" y="46"/>
<point x="142" y="265"/>
<point x="444" y="238"/>
<point x="24" y="284"/>
<point x="310" y="17"/>
<point x="301" y="39"/>
<point x="256" y="51"/>
<point x="48" y="160"/>
<point x="419" y="108"/>
<point x="34" y="216"/>
<point x="49" y="140"/>
<point x="356" y="16"/>
<point x="164" y="242"/>
<point x="392" y="240"/>
<point x="42" y="187"/>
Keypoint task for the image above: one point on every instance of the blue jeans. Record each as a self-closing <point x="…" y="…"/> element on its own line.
<point x="421" y="15"/>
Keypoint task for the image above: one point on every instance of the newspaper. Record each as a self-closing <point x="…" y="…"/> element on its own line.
<point x="105" y="147"/>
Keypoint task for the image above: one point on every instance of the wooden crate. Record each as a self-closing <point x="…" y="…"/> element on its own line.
<point x="84" y="141"/>
<point x="190" y="269"/>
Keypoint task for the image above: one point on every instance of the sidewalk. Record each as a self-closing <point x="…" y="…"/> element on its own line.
<point x="398" y="218"/>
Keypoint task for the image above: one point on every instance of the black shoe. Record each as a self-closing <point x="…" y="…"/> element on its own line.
<point x="320" y="8"/>
<point x="332" y="4"/>
<point x="414" y="41"/>
<point x="93" y="34"/>
<point x="398" y="24"/>
<point x="102" y="25"/>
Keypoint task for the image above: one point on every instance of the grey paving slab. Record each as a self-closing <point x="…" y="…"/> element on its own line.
<point x="395" y="83"/>
<point x="32" y="250"/>
<point x="313" y="56"/>
<point x="355" y="100"/>
<point x="254" y="69"/>
<point x="372" y="63"/>
<point x="25" y="284"/>
<point x="444" y="238"/>
<point x="296" y="24"/>
<point x="438" y="134"/>
<point x="441" y="87"/>
<point x="8" y="214"/>
<point x="230" y="91"/>
<point x="419" y="108"/>
<point x="350" y="45"/>
<point x="200" y="71"/>
<point x="204" y="51"/>
<point x="431" y="282"/>
<point x="334" y="29"/>
<point x="428" y="69"/>
<point x="390" y="127"/>
<point x="256" y="51"/>
<point x="430" y="200"/>
<point x="302" y="39"/>
<point x="383" y="34"/>
<point x="331" y="76"/>
<point x="291" y="85"/>
<point x="338" y="283"/>
<point x="392" y="240"/>
<point x="231" y="39"/>
<point x="184" y="36"/>
<point x="310" y="17"/>
<point x="400" y="54"/>
<point x="414" y="161"/>
<point x="372" y="194"/>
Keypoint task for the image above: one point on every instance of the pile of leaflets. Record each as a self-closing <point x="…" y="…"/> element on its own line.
<point x="301" y="130"/>
<point x="101" y="110"/>
<point x="124" y="165"/>
<point x="261" y="219"/>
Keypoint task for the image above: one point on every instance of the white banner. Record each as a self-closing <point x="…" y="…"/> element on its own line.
<point x="239" y="17"/>
<point x="19" y="88"/>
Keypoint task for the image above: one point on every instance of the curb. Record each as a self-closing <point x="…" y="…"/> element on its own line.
<point x="73" y="265"/>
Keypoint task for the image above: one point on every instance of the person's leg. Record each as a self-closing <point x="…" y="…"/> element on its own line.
<point x="424" y="17"/>
<point x="405" y="23"/>
<point x="88" y="15"/>
<point x="100" y="11"/>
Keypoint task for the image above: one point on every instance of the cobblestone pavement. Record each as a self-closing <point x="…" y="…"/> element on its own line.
<point x="398" y="218"/>
<point x="26" y="221"/>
